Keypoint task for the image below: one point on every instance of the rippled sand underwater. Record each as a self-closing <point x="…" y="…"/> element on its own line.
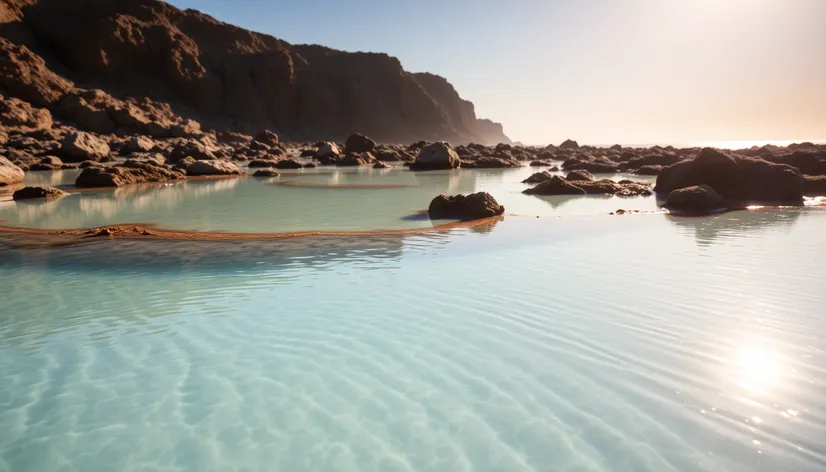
<point x="635" y="343"/>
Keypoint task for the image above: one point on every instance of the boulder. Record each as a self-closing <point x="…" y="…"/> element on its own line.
<point x="47" y="163"/>
<point x="359" y="143"/>
<point x="213" y="167"/>
<point x="139" y="144"/>
<point x="80" y="146"/>
<point x="740" y="180"/>
<point x="119" y="176"/>
<point x="28" y="193"/>
<point x="555" y="185"/>
<point x="538" y="177"/>
<point x="266" y="137"/>
<point x="327" y="150"/>
<point x="261" y="163"/>
<point x="439" y="155"/>
<point x="288" y="164"/>
<point x="16" y="113"/>
<point x="461" y="207"/>
<point x="814" y="185"/>
<point x="580" y="174"/>
<point x="266" y="173"/>
<point x="695" y="200"/>
<point x="9" y="173"/>
<point x="192" y="148"/>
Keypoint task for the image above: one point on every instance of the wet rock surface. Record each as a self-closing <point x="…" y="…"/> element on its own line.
<point x="465" y="207"/>
<point x="30" y="193"/>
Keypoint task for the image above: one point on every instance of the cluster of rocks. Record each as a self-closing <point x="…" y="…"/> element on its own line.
<point x="582" y="183"/>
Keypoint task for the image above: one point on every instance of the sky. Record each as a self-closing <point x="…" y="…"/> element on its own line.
<point x="598" y="71"/>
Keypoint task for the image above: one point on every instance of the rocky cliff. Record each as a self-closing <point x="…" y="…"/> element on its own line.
<point x="154" y="60"/>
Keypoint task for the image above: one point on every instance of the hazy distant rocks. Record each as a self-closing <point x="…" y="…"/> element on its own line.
<point x="465" y="207"/>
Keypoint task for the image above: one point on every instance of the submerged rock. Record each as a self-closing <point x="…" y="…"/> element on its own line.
<point x="29" y="193"/>
<point x="740" y="180"/>
<point x="266" y="173"/>
<point x="261" y="163"/>
<point x="695" y="200"/>
<point x="461" y="207"/>
<point x="436" y="156"/>
<point x="555" y="185"/>
<point x="381" y="165"/>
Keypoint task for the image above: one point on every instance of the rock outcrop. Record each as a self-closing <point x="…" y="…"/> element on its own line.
<point x="218" y="74"/>
<point x="465" y="207"/>
<point x="80" y="146"/>
<point x="9" y="173"/>
<point x="93" y="177"/>
<point x="557" y="185"/>
<point x="740" y="180"/>
<point x="213" y="167"/>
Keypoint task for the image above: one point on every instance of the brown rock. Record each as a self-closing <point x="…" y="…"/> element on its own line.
<point x="695" y="200"/>
<point x="24" y="75"/>
<point x="9" y="173"/>
<point x="436" y="156"/>
<point x="266" y="137"/>
<point x="581" y="174"/>
<point x="28" y="193"/>
<point x="266" y="173"/>
<point x="119" y="176"/>
<point x="461" y="207"/>
<point x="80" y="146"/>
<point x="213" y="167"/>
<point x="359" y="143"/>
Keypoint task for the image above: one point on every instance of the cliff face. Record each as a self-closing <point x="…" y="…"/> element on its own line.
<point x="228" y="77"/>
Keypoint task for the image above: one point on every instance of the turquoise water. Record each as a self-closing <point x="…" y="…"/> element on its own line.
<point x="256" y="205"/>
<point x="636" y="343"/>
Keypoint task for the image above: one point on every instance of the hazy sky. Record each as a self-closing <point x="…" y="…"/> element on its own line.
<point x="599" y="71"/>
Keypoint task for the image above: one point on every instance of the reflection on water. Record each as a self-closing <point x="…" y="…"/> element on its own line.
<point x="738" y="224"/>
<point x="600" y="343"/>
<point x="323" y="200"/>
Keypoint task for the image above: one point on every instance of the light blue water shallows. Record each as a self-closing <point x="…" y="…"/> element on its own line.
<point x="261" y="205"/>
<point x="636" y="343"/>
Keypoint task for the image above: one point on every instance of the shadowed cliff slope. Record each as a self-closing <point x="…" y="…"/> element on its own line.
<point x="229" y="77"/>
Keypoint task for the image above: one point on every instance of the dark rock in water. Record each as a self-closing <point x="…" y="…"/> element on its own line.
<point x="556" y="185"/>
<point x="809" y="162"/>
<point x="266" y="137"/>
<point x="569" y="144"/>
<point x="261" y="163"/>
<point x="741" y="181"/>
<point x="309" y="153"/>
<point x="28" y="193"/>
<point x="310" y="165"/>
<point x="491" y="163"/>
<point x="9" y="173"/>
<point x="80" y="146"/>
<point x="580" y="174"/>
<point x="266" y="173"/>
<point x="461" y="207"/>
<point x="356" y="159"/>
<point x="538" y="177"/>
<point x="649" y="170"/>
<point x="814" y="185"/>
<point x="695" y="200"/>
<point x="440" y="155"/>
<point x="192" y="148"/>
<point x="288" y="164"/>
<point x="120" y="176"/>
<point x="213" y="167"/>
<point x="541" y="164"/>
<point x="381" y="165"/>
<point x="359" y="143"/>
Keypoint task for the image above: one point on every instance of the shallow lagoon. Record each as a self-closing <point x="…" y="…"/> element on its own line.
<point x="274" y="205"/>
<point x="565" y="342"/>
